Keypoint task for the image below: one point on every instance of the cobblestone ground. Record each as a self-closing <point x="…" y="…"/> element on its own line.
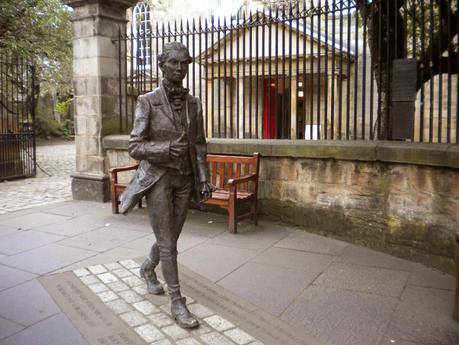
<point x="52" y="183"/>
<point x="119" y="286"/>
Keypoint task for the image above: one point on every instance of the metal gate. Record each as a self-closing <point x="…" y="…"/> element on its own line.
<point x="17" y="114"/>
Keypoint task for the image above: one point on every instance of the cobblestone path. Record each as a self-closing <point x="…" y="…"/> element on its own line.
<point x="52" y="184"/>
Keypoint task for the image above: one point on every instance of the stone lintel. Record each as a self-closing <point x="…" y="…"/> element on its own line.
<point x="90" y="187"/>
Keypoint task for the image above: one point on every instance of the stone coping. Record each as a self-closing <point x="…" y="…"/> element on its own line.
<point x="441" y="155"/>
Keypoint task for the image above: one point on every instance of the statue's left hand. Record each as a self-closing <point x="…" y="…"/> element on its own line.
<point x="206" y="189"/>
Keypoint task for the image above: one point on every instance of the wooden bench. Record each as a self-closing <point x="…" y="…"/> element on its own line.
<point x="236" y="180"/>
<point x="116" y="187"/>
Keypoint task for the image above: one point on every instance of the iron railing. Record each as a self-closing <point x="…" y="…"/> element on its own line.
<point x="322" y="69"/>
<point x="17" y="113"/>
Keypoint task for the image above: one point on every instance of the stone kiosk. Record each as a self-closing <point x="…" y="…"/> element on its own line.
<point x="96" y="26"/>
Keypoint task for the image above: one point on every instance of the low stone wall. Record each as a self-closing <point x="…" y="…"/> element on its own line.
<point x="400" y="198"/>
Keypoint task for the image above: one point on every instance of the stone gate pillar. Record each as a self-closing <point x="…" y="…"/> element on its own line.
<point x="96" y="25"/>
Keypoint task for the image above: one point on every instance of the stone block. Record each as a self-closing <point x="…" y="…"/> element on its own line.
<point x="87" y="105"/>
<point x="86" y="67"/>
<point x="96" y="165"/>
<point x="86" y="86"/>
<point x="94" y="46"/>
<point x="412" y="153"/>
<point x="109" y="86"/>
<point x="90" y="188"/>
<point x="119" y="142"/>
<point x="109" y="66"/>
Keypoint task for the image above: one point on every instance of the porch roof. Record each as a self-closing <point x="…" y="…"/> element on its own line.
<point x="296" y="27"/>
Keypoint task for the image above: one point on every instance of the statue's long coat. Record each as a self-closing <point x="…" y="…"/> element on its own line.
<point x="154" y="129"/>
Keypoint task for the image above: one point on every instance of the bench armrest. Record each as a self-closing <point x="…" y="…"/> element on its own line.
<point x="117" y="170"/>
<point x="242" y="179"/>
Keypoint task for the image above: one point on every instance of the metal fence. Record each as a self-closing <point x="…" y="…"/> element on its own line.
<point x="341" y="70"/>
<point x="17" y="106"/>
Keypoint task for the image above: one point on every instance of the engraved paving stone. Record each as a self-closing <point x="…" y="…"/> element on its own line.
<point x="119" y="306"/>
<point x="97" y="269"/>
<point x="239" y="336"/>
<point x="149" y="333"/>
<point x="129" y="264"/>
<point x="122" y="273"/>
<point x="219" y="323"/>
<point x="87" y="280"/>
<point x="188" y="341"/>
<point x="161" y="320"/>
<point x="215" y="338"/>
<point x="118" y="286"/>
<point x="145" y="307"/>
<point x="107" y="278"/>
<point x="133" y="318"/>
<point x="175" y="332"/>
<point x="98" y="287"/>
<point x="107" y="296"/>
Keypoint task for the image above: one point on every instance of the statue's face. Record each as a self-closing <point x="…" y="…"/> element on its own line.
<point x="176" y="66"/>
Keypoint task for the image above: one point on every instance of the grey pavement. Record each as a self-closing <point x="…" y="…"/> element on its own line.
<point x="328" y="290"/>
<point x="335" y="292"/>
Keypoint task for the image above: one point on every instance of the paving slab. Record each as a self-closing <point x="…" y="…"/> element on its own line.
<point x="272" y="288"/>
<point x="288" y="258"/>
<point x="32" y="220"/>
<point x="341" y="317"/>
<point x="75" y="208"/>
<point x="356" y="255"/>
<point x="27" y="304"/>
<point x="109" y="256"/>
<point x="224" y="260"/>
<point x="74" y="226"/>
<point x="47" y="258"/>
<point x="429" y="277"/>
<point x="304" y="241"/>
<point x="10" y="277"/>
<point x="374" y="280"/>
<point x="389" y="341"/>
<point x="187" y="241"/>
<point x="8" y="328"/>
<point x="56" y="330"/>
<point x="256" y="238"/>
<point x="102" y="239"/>
<point x="7" y="230"/>
<point x="424" y="316"/>
<point x="26" y="240"/>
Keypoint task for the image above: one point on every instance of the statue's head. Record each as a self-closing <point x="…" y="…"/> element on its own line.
<point x="174" y="61"/>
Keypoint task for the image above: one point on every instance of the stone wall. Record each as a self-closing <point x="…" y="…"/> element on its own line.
<point x="408" y="210"/>
<point x="400" y="198"/>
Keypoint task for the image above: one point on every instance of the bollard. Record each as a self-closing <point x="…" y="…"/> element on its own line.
<point x="456" y="302"/>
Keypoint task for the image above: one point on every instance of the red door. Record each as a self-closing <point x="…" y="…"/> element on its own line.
<point x="269" y="110"/>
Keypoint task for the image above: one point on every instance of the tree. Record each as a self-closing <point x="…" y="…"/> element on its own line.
<point x="432" y="25"/>
<point x="39" y="31"/>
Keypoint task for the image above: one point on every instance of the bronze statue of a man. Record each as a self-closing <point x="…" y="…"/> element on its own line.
<point x="168" y="139"/>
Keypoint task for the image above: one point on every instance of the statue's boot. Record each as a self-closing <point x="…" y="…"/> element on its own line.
<point x="147" y="272"/>
<point x="182" y="315"/>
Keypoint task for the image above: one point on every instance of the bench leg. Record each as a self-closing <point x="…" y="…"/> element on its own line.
<point x="114" y="203"/>
<point x="232" y="214"/>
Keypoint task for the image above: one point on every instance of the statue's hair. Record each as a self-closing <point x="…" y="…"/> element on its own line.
<point x="168" y="47"/>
